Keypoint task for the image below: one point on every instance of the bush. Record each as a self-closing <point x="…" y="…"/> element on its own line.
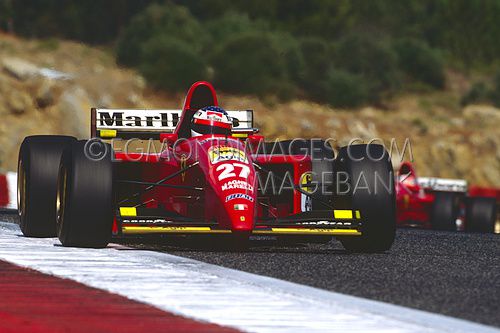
<point x="251" y="63"/>
<point x="317" y="60"/>
<point x="156" y="20"/>
<point x="345" y="89"/>
<point x="481" y="92"/>
<point x="420" y="62"/>
<point x="495" y="93"/>
<point x="233" y="26"/>
<point x="170" y="63"/>
<point x="371" y="59"/>
<point x="478" y="93"/>
<point x="289" y="49"/>
<point x="230" y="24"/>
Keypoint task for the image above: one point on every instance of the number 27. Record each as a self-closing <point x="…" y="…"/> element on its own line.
<point x="228" y="168"/>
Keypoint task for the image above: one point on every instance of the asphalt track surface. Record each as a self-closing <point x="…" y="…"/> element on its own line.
<point x="455" y="274"/>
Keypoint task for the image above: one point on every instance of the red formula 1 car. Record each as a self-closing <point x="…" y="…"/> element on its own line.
<point x="444" y="204"/>
<point x="212" y="175"/>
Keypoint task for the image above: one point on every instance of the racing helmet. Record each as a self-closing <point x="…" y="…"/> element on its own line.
<point x="211" y="120"/>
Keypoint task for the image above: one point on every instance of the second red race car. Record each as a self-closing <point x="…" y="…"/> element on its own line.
<point x="444" y="204"/>
<point x="213" y="175"/>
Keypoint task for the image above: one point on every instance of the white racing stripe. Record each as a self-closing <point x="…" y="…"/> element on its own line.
<point x="219" y="295"/>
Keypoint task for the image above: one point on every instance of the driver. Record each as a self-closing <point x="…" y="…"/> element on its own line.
<point x="211" y="120"/>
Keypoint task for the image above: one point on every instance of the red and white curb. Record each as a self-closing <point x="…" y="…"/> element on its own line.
<point x="219" y="295"/>
<point x="33" y="302"/>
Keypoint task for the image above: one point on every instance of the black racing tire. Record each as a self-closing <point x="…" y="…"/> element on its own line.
<point x="37" y="169"/>
<point x="85" y="197"/>
<point x="370" y="189"/>
<point x="481" y="214"/>
<point x="445" y="210"/>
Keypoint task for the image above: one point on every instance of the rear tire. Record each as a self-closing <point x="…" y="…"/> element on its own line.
<point x="38" y="165"/>
<point x="85" y="207"/>
<point x="371" y="191"/>
<point x="481" y="215"/>
<point x="445" y="210"/>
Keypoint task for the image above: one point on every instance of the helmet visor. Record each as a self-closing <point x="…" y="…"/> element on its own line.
<point x="203" y="126"/>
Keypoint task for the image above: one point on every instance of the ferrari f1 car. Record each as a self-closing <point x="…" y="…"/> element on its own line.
<point x="444" y="204"/>
<point x="229" y="182"/>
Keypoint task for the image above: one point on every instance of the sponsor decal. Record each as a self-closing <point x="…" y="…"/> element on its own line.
<point x="152" y="120"/>
<point x="146" y="221"/>
<point x="325" y="223"/>
<point x="223" y="153"/>
<point x="305" y="200"/>
<point x="239" y="196"/>
<point x="188" y="228"/>
<point x="237" y="184"/>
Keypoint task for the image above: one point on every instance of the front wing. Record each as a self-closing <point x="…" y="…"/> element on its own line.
<point x="339" y="222"/>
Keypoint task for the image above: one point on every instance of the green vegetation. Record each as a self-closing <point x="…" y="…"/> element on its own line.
<point x="170" y="63"/>
<point x="345" y="89"/>
<point x="174" y="22"/>
<point x="420" y="62"/>
<point x="484" y="92"/>
<point x="249" y="62"/>
<point x="346" y="52"/>
<point x="371" y="59"/>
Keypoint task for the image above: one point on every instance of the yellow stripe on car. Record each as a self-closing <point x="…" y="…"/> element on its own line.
<point x="305" y="231"/>
<point x="163" y="229"/>
<point x="128" y="211"/>
<point x="342" y="214"/>
<point x="107" y="134"/>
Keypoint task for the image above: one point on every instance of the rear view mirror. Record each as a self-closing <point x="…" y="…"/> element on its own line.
<point x="236" y="122"/>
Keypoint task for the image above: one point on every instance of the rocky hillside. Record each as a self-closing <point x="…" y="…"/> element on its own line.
<point x="48" y="87"/>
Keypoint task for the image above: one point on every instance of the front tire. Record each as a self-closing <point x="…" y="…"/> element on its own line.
<point x="38" y="165"/>
<point x="370" y="180"/>
<point x="85" y="207"/>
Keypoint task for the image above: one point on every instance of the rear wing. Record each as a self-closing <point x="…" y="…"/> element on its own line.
<point x="148" y="124"/>
<point x="443" y="184"/>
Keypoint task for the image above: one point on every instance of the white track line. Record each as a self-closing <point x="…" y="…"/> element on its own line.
<point x="219" y="295"/>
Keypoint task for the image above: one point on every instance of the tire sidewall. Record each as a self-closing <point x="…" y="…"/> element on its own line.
<point x="445" y="211"/>
<point x="39" y="158"/>
<point x="481" y="214"/>
<point x="377" y="203"/>
<point x="89" y="209"/>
